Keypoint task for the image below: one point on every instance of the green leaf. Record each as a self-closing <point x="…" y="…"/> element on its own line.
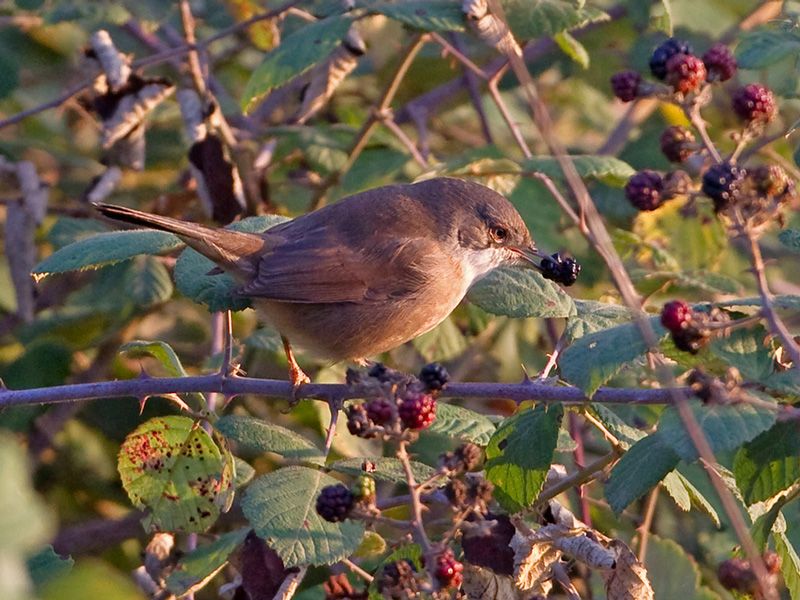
<point x="106" y="249"/>
<point x="745" y="350"/>
<point x="201" y="564"/>
<point x="595" y="358"/>
<point x="765" y="47"/>
<point x="725" y="426"/>
<point x="572" y="48"/>
<point x="626" y="434"/>
<point x="244" y="473"/>
<point x="639" y="470"/>
<point x="172" y="467"/>
<point x="67" y="230"/>
<point x="261" y="436"/>
<point x="520" y="294"/>
<point x="790" y="238"/>
<point x="672" y="572"/>
<point x="159" y="350"/>
<point x="462" y="424"/>
<point x="92" y="578"/>
<point x="533" y="18"/>
<point x="767" y="522"/>
<point x="673" y="484"/>
<point x="790" y="564"/>
<point x="217" y="292"/>
<point x="281" y="508"/>
<point x="443" y="342"/>
<point x="520" y="452"/>
<point x="699" y="501"/>
<point x="594" y="316"/>
<point x="385" y="468"/>
<point x="608" y="169"/>
<point x="425" y="15"/>
<point x="46" y="565"/>
<point x="296" y="53"/>
<point x="768" y="464"/>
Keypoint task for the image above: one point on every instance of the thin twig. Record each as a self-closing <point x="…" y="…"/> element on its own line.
<point x="647" y="522"/>
<point x="416" y="501"/>
<point x="579" y="477"/>
<point x="357" y="570"/>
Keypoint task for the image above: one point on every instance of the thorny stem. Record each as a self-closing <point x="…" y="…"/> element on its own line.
<point x="693" y="114"/>
<point x="416" y="501"/>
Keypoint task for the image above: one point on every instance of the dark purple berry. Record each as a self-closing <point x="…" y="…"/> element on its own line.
<point x="690" y="339"/>
<point x="380" y="411"/>
<point x="677" y="143"/>
<point x="378" y="371"/>
<point x="334" y="502"/>
<point x="754" y="103"/>
<point x="644" y="190"/>
<point x="737" y="574"/>
<point x="685" y="73"/>
<point x="676" y="315"/>
<point x="560" y="269"/>
<point x="434" y="377"/>
<point x="665" y="51"/>
<point x="448" y="570"/>
<point x="720" y="63"/>
<point x="417" y="410"/>
<point x="721" y="183"/>
<point x="625" y="85"/>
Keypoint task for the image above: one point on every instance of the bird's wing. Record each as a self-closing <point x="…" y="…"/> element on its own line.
<point x="311" y="271"/>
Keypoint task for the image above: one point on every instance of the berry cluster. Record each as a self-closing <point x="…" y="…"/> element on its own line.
<point x="647" y="190"/>
<point x="690" y="329"/>
<point x="466" y="457"/>
<point x="448" y="570"/>
<point x="335" y="502"/>
<point x="561" y="269"/>
<point x="399" y="580"/>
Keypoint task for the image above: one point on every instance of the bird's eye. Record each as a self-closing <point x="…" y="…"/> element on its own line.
<point x="499" y="234"/>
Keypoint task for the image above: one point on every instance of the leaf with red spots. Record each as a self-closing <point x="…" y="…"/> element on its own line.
<point x="172" y="467"/>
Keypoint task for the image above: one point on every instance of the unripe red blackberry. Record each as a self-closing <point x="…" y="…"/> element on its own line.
<point x="665" y="51"/>
<point x="677" y="143"/>
<point x="417" y="410"/>
<point x="448" y="570"/>
<point x="434" y="377"/>
<point x="720" y="63"/>
<point x="364" y="489"/>
<point x="644" y="190"/>
<point x="754" y="103"/>
<point x="625" y="85"/>
<point x="722" y="183"/>
<point x="685" y="73"/>
<point x="676" y="315"/>
<point x="380" y="411"/>
<point x="772" y="561"/>
<point x="334" y="502"/>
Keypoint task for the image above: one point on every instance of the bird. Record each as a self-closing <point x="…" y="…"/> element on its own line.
<point x="368" y="273"/>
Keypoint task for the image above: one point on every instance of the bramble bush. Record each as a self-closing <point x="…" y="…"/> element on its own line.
<point x="648" y="446"/>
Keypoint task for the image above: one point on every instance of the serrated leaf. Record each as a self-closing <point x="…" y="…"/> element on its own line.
<point x="671" y="571"/>
<point x="608" y="169"/>
<point x="46" y="565"/>
<point x="244" y="473"/>
<point x="594" y="316"/>
<point x="520" y="294"/>
<point x="677" y="491"/>
<point x="626" y="434"/>
<point x="462" y="424"/>
<point x="638" y="471"/>
<point x="141" y="282"/>
<point x="385" y="468"/>
<point x="520" y="453"/>
<point x="296" y="53"/>
<point x="765" y="47"/>
<point x="106" y="249"/>
<point x="725" y="426"/>
<point x="281" y="508"/>
<point x="595" y="358"/>
<point x="67" y="230"/>
<point x="425" y="15"/>
<point x="172" y="467"/>
<point x="698" y="500"/>
<point x="745" y="350"/>
<point x="533" y="18"/>
<point x="790" y="564"/>
<point x="202" y="563"/>
<point x="767" y="522"/>
<point x="572" y="48"/>
<point x="261" y="436"/>
<point x="768" y="464"/>
<point x="790" y="238"/>
<point x="159" y="350"/>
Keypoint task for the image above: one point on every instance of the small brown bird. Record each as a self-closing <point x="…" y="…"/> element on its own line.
<point x="368" y="273"/>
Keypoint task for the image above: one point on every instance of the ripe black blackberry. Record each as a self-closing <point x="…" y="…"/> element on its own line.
<point x="685" y="73"/>
<point x="334" y="503"/>
<point x="720" y="63"/>
<point x="676" y="315"/>
<point x="434" y="377"/>
<point x="691" y="339"/>
<point x="626" y="85"/>
<point x="644" y="188"/>
<point x="722" y="183"/>
<point x="677" y="143"/>
<point x="448" y="571"/>
<point x="417" y="410"/>
<point x="665" y="51"/>
<point x="380" y="411"/>
<point x="563" y="270"/>
<point x="755" y="104"/>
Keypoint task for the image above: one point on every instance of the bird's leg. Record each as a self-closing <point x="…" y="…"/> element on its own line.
<point x="296" y="375"/>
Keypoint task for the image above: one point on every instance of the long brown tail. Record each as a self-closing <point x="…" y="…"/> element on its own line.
<point x="234" y="251"/>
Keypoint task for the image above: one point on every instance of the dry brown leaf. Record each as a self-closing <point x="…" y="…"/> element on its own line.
<point x="484" y="584"/>
<point x="628" y="579"/>
<point x="491" y="30"/>
<point x="129" y="110"/>
<point x="218" y="183"/>
<point x="116" y="66"/>
<point x="534" y="555"/>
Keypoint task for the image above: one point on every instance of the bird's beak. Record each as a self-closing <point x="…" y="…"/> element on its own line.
<point x="530" y="255"/>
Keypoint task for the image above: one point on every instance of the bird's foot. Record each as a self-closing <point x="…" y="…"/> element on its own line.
<point x="296" y="374"/>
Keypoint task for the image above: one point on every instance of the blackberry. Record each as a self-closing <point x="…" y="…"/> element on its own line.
<point x="691" y="339"/>
<point x="665" y="51"/>
<point x="434" y="377"/>
<point x="448" y="570"/>
<point x="457" y="493"/>
<point x="417" y="410"/>
<point x="685" y="73"/>
<point x="363" y="489"/>
<point x="380" y="411"/>
<point x="754" y="103"/>
<point x="737" y="574"/>
<point x="677" y="143"/>
<point x="625" y="85"/>
<point x="643" y="190"/>
<point x="334" y="502"/>
<point x="466" y="457"/>
<point x="722" y="183"/>
<point x="358" y="422"/>
<point x="676" y="315"/>
<point x="561" y="270"/>
<point x="398" y="580"/>
<point x="720" y="63"/>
